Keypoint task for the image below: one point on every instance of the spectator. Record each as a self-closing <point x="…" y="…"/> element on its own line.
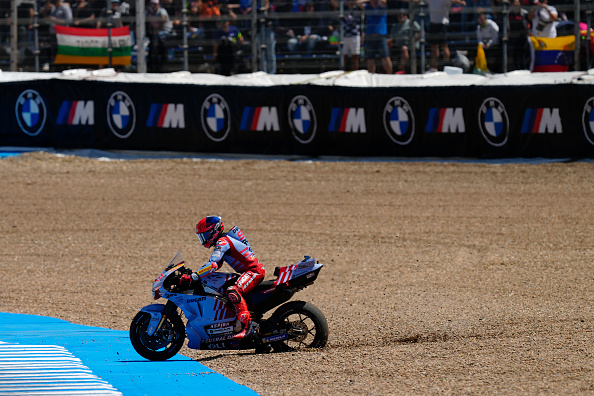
<point x="517" y="36"/>
<point x="116" y="15"/>
<point x="210" y="12"/>
<point x="400" y="35"/>
<point x="352" y="36"/>
<point x="174" y="12"/>
<point x="195" y="28"/>
<point x="487" y="35"/>
<point x="439" y="16"/>
<point x="60" y="14"/>
<point x="308" y="31"/>
<point x="25" y="13"/>
<point x="159" y="28"/>
<point x="227" y="44"/>
<point x="543" y="17"/>
<point x="84" y="14"/>
<point x="376" y="31"/>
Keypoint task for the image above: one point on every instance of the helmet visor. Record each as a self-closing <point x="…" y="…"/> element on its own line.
<point x="203" y="236"/>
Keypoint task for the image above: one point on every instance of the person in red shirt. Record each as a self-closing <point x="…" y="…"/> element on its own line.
<point x="234" y="249"/>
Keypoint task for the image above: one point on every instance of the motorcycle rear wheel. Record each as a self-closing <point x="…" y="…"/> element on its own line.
<point x="306" y="318"/>
<point x="164" y="343"/>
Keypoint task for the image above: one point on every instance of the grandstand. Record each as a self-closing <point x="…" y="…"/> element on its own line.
<point x="30" y="43"/>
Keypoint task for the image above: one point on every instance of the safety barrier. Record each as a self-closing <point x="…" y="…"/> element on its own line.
<point x="483" y="121"/>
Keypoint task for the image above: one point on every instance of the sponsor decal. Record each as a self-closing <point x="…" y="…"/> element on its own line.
<point x="259" y="119"/>
<point x="445" y="120"/>
<point x="76" y="112"/>
<point x="166" y="115"/>
<point x="216" y="118"/>
<point x="276" y="338"/>
<point x="350" y="119"/>
<point x="31" y="112"/>
<point x="493" y="122"/>
<point x="399" y="121"/>
<point x="121" y="114"/>
<point x="221" y="338"/>
<point x="542" y="121"/>
<point x="195" y="299"/>
<point x="302" y="119"/>
<point x="218" y="345"/>
<point x="588" y="120"/>
<point x="220" y="325"/>
<point x="219" y="328"/>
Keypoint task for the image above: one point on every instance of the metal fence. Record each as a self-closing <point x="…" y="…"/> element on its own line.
<point x="271" y="35"/>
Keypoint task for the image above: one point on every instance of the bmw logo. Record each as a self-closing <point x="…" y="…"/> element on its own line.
<point x="399" y="121"/>
<point x="588" y="120"/>
<point x="216" y="117"/>
<point x="493" y="122"/>
<point x="121" y="115"/>
<point x="302" y="119"/>
<point x="30" y="112"/>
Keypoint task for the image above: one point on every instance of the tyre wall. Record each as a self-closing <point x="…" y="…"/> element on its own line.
<point x="554" y="121"/>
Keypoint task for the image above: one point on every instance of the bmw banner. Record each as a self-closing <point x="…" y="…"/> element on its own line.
<point x="312" y="120"/>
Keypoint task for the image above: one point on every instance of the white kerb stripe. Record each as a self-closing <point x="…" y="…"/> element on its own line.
<point x="47" y="370"/>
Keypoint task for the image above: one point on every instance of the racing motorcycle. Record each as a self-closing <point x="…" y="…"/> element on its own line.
<point x="158" y="332"/>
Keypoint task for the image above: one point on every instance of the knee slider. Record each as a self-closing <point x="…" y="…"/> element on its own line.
<point x="233" y="295"/>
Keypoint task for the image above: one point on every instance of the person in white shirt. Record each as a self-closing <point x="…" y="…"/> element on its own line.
<point x="543" y="17"/>
<point x="487" y="30"/>
<point x="487" y="35"/>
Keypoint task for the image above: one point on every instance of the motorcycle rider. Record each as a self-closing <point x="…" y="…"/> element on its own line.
<point x="233" y="248"/>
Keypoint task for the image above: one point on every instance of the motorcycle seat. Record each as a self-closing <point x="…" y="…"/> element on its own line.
<point x="263" y="286"/>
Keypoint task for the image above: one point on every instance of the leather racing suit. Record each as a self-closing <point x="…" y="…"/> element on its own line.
<point x="234" y="249"/>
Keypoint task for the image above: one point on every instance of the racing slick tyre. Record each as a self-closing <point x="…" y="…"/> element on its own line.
<point x="164" y="343"/>
<point x="307" y="326"/>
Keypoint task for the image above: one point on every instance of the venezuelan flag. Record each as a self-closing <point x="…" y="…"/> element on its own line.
<point x="84" y="46"/>
<point x="551" y="54"/>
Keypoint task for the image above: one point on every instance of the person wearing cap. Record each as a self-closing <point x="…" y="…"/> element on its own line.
<point x="543" y="17"/>
<point x="400" y="36"/>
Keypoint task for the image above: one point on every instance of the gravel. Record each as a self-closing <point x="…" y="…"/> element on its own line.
<point x="439" y="278"/>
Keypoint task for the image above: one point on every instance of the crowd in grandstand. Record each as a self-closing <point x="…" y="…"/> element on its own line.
<point x="376" y="31"/>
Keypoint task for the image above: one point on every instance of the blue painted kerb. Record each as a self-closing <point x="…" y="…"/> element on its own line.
<point x="110" y="356"/>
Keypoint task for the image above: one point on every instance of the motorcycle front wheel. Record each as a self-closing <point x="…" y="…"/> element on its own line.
<point x="164" y="343"/>
<point x="307" y="324"/>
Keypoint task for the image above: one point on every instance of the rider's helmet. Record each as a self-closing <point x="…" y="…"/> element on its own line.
<point x="209" y="229"/>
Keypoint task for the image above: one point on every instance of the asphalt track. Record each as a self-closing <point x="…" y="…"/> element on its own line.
<point x="42" y="355"/>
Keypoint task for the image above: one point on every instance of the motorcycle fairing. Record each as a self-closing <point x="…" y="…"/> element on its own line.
<point x="291" y="272"/>
<point x="156" y="312"/>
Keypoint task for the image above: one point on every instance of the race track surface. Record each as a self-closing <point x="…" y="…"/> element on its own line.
<point x="440" y="278"/>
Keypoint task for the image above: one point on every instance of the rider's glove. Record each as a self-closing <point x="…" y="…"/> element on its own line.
<point x="185" y="278"/>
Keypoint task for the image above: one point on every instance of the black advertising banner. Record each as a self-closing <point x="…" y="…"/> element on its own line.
<point x="456" y="121"/>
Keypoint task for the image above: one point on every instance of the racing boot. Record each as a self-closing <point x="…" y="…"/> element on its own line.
<point x="249" y="327"/>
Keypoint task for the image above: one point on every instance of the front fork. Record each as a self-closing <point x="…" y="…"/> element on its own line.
<point x="158" y="318"/>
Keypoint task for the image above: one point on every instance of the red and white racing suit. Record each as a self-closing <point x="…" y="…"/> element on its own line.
<point x="235" y="250"/>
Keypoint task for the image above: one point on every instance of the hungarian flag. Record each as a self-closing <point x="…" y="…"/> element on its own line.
<point x="82" y="46"/>
<point x="551" y="54"/>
